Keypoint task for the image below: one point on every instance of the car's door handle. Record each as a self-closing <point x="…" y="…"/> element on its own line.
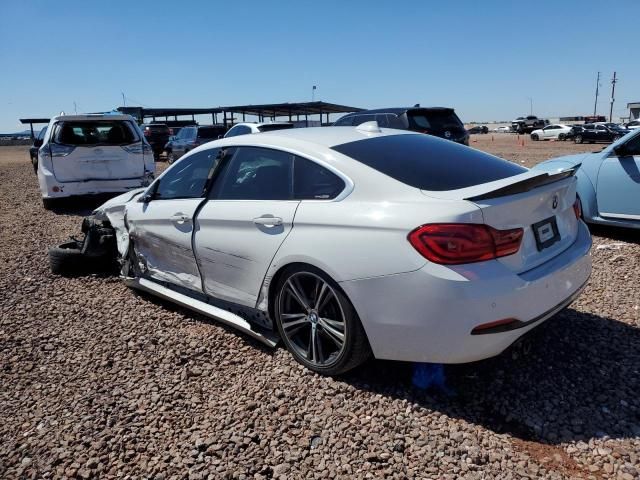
<point x="268" y="221"/>
<point x="180" y="218"/>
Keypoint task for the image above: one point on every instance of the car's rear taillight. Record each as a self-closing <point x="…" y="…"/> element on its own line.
<point x="577" y="208"/>
<point x="456" y="243"/>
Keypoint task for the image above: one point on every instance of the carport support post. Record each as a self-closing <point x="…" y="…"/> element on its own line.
<point x="306" y="120"/>
<point x="224" y="119"/>
<point x="321" y="117"/>
<point x="32" y="136"/>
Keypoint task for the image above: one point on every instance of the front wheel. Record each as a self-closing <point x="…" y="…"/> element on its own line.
<point x="578" y="139"/>
<point x="562" y="136"/>
<point x="535" y="137"/>
<point x="616" y="138"/>
<point x="317" y="323"/>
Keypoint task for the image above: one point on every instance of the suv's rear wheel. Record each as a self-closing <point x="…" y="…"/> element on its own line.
<point x="317" y="323"/>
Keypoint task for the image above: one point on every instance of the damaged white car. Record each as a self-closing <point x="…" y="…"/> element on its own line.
<point x="350" y="242"/>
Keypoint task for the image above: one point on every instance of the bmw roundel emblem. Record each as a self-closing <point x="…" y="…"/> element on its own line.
<point x="447" y="134"/>
<point x="555" y="202"/>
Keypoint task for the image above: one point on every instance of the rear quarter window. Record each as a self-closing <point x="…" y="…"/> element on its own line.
<point x="429" y="163"/>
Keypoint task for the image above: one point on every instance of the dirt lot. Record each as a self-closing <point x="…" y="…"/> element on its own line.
<point x="99" y="381"/>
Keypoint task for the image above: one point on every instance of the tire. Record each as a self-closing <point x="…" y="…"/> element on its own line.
<point x="578" y="139"/>
<point x="534" y="136"/>
<point x="48" y="203"/>
<point x="34" y="162"/>
<point x="562" y="136"/>
<point x="170" y="157"/>
<point x="616" y="138"/>
<point x="318" y="309"/>
<point x="66" y="259"/>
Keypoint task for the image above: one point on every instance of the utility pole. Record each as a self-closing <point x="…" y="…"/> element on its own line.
<point x="313" y="93"/>
<point x="124" y="102"/>
<point x="613" y="91"/>
<point x="75" y="107"/>
<point x="595" y="105"/>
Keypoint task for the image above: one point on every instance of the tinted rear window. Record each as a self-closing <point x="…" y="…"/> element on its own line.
<point x="429" y="163"/>
<point x="210" y="132"/>
<point x="98" y="132"/>
<point x="156" y="128"/>
<point x="434" y="120"/>
<point x="271" y="128"/>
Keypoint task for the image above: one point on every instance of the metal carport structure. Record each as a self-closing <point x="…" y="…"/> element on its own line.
<point x="271" y="111"/>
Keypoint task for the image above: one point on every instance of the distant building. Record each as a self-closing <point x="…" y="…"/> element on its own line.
<point x="634" y="110"/>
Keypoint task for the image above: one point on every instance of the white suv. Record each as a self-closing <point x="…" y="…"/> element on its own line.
<point x="90" y="154"/>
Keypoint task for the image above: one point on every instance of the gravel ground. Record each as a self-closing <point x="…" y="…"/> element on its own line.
<point x="99" y="381"/>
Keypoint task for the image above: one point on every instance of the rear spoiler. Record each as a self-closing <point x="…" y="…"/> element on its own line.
<point x="527" y="184"/>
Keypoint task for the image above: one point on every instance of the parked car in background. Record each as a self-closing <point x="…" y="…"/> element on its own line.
<point x="502" y="130"/>
<point x="33" y="150"/>
<point x="551" y="132"/>
<point x="608" y="181"/>
<point x="349" y="242"/>
<point x="632" y="125"/>
<point x="438" y="121"/>
<point x="527" y="124"/>
<point x="478" y="129"/>
<point x="90" y="154"/>
<point x="191" y="137"/>
<point x="592" y="133"/>
<point x="245" y="128"/>
<point x="157" y="135"/>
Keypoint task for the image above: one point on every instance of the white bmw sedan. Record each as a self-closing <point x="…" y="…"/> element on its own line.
<point x="349" y="242"/>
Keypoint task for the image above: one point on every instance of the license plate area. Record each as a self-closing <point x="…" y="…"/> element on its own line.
<point x="546" y="233"/>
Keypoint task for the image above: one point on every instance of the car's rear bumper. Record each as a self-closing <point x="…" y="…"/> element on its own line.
<point x="428" y="315"/>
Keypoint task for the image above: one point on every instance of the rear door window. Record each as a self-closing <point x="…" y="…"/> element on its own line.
<point x="427" y="163"/>
<point x="98" y="132"/>
<point x="256" y="174"/>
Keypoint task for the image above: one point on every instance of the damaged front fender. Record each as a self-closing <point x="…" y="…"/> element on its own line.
<point x="114" y="211"/>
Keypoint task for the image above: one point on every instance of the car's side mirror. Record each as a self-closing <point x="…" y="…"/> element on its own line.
<point x="150" y="194"/>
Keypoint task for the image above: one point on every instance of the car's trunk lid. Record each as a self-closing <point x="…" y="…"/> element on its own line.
<point x="539" y="203"/>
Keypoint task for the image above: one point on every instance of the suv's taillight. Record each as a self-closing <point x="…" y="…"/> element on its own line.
<point x="456" y="243"/>
<point x="146" y="132"/>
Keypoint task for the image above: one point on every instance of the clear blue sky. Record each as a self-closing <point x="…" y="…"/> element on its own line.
<point x="484" y="58"/>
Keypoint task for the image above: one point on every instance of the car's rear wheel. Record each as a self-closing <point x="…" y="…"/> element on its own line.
<point x="170" y="157"/>
<point x="578" y="139"/>
<point x="317" y="323"/>
<point x="534" y="136"/>
<point x="616" y="138"/>
<point x="561" y="136"/>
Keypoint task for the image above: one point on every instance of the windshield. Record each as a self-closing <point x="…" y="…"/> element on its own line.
<point x="429" y="163"/>
<point x="96" y="132"/>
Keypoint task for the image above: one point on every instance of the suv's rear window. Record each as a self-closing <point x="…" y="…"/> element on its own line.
<point x="210" y="132"/>
<point x="434" y="120"/>
<point x="156" y="128"/>
<point x="96" y="132"/>
<point x="275" y="126"/>
<point x="429" y="163"/>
